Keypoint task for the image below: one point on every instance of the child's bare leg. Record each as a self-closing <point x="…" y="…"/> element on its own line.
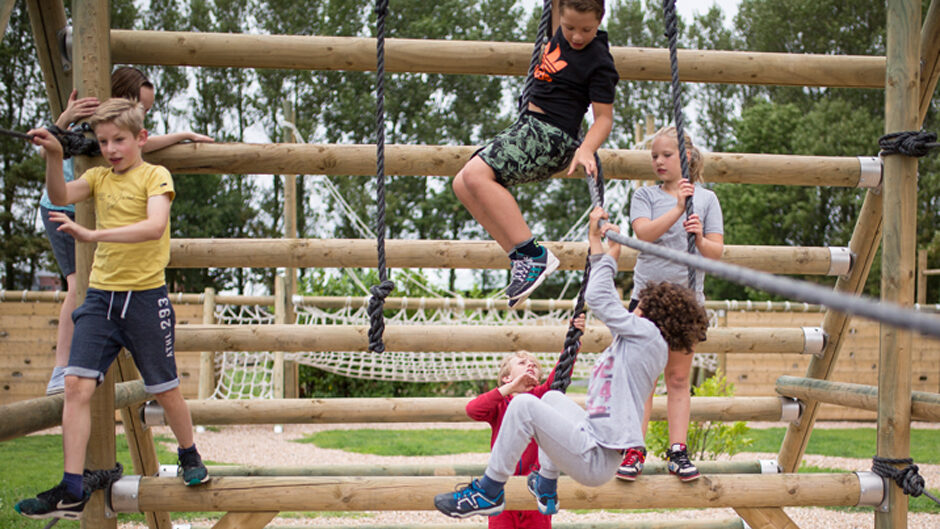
<point x="66" y="326"/>
<point x="678" y="399"/>
<point x="491" y="204"/>
<point x="177" y="416"/>
<point x="76" y="422"/>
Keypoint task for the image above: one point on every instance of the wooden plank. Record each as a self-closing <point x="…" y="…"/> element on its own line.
<point x="245" y="520"/>
<point x="766" y="518"/>
<point x="47" y="17"/>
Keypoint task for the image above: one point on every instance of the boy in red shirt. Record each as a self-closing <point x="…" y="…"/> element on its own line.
<point x="519" y="372"/>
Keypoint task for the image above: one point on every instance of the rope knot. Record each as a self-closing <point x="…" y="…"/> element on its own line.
<point x="907" y="478"/>
<point x="93" y="480"/>
<point x="909" y="143"/>
<point x="377" y="322"/>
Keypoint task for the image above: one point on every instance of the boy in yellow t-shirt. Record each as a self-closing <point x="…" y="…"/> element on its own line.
<point x="126" y="304"/>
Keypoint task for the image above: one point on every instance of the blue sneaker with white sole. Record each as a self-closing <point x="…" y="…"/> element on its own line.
<point x="548" y="501"/>
<point x="468" y="501"/>
<point x="528" y="273"/>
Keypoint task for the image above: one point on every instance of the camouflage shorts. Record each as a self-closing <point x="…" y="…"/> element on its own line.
<point x="530" y="150"/>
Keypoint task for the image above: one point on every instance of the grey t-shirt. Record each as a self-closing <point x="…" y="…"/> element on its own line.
<point x="652" y="202"/>
<point x="626" y="372"/>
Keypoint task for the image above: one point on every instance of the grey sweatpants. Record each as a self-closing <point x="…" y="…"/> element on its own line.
<point x="557" y="424"/>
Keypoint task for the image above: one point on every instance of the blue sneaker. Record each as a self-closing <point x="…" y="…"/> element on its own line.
<point x="528" y="273"/>
<point x="56" y="383"/>
<point x="548" y="502"/>
<point x="53" y="503"/>
<point x="469" y="500"/>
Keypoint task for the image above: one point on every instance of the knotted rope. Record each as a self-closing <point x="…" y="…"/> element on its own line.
<point x="907" y="478"/>
<point x="73" y="142"/>
<point x="381" y="291"/>
<point x="672" y="32"/>
<point x="915" y="143"/>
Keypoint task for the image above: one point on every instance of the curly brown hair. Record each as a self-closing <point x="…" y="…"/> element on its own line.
<point x="677" y="314"/>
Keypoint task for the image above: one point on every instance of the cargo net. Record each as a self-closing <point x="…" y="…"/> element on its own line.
<point x="250" y="375"/>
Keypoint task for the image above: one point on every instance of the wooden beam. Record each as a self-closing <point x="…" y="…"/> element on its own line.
<point x="766" y="518"/>
<point x="32" y="415"/>
<point x="924" y="406"/>
<point x="404" y="493"/>
<point x="360" y="253"/>
<point x="206" y="362"/>
<point x="295" y="52"/>
<point x="245" y="520"/>
<point x="435" y="409"/>
<point x="470" y="338"/>
<point x="930" y="57"/>
<point x="446" y="160"/>
<point x="902" y="98"/>
<point x="47" y="17"/>
<point x="651" y="468"/>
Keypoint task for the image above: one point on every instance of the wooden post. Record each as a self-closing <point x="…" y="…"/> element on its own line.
<point x="291" y="369"/>
<point x="922" y="277"/>
<point x="92" y="73"/>
<point x="930" y="55"/>
<point x="902" y="93"/>
<point x="47" y="17"/>
<point x="924" y="406"/>
<point x="279" y="303"/>
<point x="445" y="160"/>
<point x="207" y="358"/>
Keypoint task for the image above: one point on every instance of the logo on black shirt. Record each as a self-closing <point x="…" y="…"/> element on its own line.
<point x="551" y="64"/>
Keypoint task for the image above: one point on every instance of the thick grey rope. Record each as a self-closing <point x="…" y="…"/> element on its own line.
<point x="885" y="312"/>
<point x="672" y="32"/>
<point x="385" y="287"/>
<point x="542" y="37"/>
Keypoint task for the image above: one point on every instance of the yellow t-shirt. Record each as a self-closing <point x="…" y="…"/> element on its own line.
<point x="121" y="199"/>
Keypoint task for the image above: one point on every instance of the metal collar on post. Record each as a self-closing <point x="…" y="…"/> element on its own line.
<point x="125" y="494"/>
<point x="869" y="172"/>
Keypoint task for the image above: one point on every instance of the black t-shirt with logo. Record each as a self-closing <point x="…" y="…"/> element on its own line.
<point x="567" y="80"/>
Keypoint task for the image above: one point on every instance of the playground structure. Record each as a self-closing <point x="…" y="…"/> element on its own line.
<point x="758" y="499"/>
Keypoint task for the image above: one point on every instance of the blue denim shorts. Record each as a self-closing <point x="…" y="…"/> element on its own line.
<point x="63" y="244"/>
<point x="142" y="321"/>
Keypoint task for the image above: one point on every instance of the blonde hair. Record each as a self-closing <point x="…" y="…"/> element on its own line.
<point x="504" y="365"/>
<point x="696" y="160"/>
<point x="124" y="113"/>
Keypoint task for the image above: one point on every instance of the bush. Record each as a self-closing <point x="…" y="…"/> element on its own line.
<point x="706" y="439"/>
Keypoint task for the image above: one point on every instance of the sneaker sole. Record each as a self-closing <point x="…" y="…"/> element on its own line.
<point x="687" y="478"/>
<point x="194" y="482"/>
<point x="62" y="515"/>
<point x="626" y="477"/>
<point x="551" y="509"/>
<point x="550" y="267"/>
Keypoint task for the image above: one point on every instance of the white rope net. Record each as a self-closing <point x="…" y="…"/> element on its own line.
<point x="242" y="375"/>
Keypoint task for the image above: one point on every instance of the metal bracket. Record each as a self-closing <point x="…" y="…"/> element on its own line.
<point x="125" y="494"/>
<point x="870" y="172"/>
<point x="769" y="466"/>
<point x="791" y="410"/>
<point x="841" y="260"/>
<point x="814" y="341"/>
<point x="873" y="490"/>
<point x="151" y="414"/>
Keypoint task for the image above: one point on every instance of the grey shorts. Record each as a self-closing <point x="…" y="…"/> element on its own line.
<point x="63" y="244"/>
<point x="143" y="321"/>
<point x="530" y="150"/>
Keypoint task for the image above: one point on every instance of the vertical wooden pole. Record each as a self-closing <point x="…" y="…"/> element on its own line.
<point x="92" y="74"/>
<point x="930" y="53"/>
<point x="206" y="358"/>
<point x="291" y="369"/>
<point x="902" y="92"/>
<point x="280" y="301"/>
<point x="922" y="276"/>
<point x="47" y="17"/>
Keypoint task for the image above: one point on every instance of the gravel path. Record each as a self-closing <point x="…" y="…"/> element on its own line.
<point x="260" y="445"/>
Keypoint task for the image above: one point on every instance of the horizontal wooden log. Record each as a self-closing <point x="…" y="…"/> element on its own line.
<point x="28" y="416"/>
<point x="446" y="160"/>
<point x="436" y="409"/>
<point x="406" y="493"/>
<point x="924" y="406"/>
<point x="297" y="52"/>
<point x="361" y="253"/>
<point x="468" y="338"/>
<point x="724" y="523"/>
<point x="651" y="468"/>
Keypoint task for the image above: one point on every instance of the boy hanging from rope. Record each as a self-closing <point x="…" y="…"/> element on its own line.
<point x="576" y="71"/>
<point x="588" y="444"/>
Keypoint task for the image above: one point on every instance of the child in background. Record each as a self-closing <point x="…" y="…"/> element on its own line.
<point x="588" y="445"/>
<point x="576" y="71"/>
<point x="129" y="83"/>
<point x="657" y="214"/>
<point x="126" y="304"/>
<point x="519" y="372"/>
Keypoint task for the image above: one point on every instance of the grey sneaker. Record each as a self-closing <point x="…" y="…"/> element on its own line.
<point x="528" y="273"/>
<point x="56" y="383"/>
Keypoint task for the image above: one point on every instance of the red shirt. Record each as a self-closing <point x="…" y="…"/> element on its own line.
<point x="491" y="407"/>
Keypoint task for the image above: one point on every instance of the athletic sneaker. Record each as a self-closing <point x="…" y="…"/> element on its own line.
<point x="632" y="465"/>
<point x="548" y="502"/>
<point x="54" y="503"/>
<point x="56" y="383"/>
<point x="192" y="470"/>
<point x="679" y="464"/>
<point x="469" y="500"/>
<point x="528" y="273"/>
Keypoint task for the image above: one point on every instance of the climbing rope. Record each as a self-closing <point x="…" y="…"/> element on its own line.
<point x="907" y="478"/>
<point x="73" y="141"/>
<point x="565" y="365"/>
<point x="915" y="143"/>
<point x="385" y="287"/>
<point x="672" y="33"/>
<point x="541" y="39"/>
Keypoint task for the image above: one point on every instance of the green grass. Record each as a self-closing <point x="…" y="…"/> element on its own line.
<point x="858" y="443"/>
<point x="403" y="442"/>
